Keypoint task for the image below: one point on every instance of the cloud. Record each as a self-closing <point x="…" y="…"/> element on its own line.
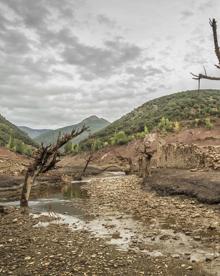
<point x="100" y="62"/>
<point x="61" y="61"/>
<point x="186" y="14"/>
<point x="103" y="19"/>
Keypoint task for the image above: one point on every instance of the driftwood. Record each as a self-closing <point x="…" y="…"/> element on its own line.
<point x="45" y="159"/>
<point x="198" y="77"/>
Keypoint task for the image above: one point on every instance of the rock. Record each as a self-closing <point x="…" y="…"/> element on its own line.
<point x="116" y="235"/>
<point x="176" y="256"/>
<point x="209" y="257"/>
<point x="211" y="227"/>
<point x="197" y="238"/>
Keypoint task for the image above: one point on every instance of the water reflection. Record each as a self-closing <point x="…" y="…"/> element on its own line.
<point x="74" y="190"/>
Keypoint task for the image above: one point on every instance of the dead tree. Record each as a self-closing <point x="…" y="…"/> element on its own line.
<point x="45" y="159"/>
<point x="125" y="160"/>
<point x="144" y="161"/>
<point x="198" y="77"/>
<point x="91" y="157"/>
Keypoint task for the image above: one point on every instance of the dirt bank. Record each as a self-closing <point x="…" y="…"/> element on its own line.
<point x="202" y="185"/>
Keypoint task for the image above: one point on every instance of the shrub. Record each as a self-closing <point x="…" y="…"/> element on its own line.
<point x="68" y="147"/>
<point x="165" y="125"/>
<point x="19" y="147"/>
<point x="208" y="123"/>
<point x="11" y="143"/>
<point x="120" y="138"/>
<point x="176" y="126"/>
<point x="97" y="144"/>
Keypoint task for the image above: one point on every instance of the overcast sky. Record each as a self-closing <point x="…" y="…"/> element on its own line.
<point x="64" y="60"/>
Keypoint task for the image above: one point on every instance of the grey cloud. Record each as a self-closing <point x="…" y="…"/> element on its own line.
<point x="206" y="5"/>
<point x="137" y="71"/>
<point x="15" y="42"/>
<point x="101" y="62"/>
<point x="152" y="71"/>
<point x="33" y="13"/>
<point x="103" y="19"/>
<point x="186" y="14"/>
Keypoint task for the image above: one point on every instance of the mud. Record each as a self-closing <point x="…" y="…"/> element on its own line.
<point x="202" y="185"/>
<point x="110" y="226"/>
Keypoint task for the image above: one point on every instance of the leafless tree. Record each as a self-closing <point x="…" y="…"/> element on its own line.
<point x="145" y="155"/>
<point x="198" y="77"/>
<point x="125" y="160"/>
<point x="90" y="158"/>
<point x="45" y="159"/>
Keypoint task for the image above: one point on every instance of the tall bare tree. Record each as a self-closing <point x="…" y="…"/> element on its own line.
<point x="45" y="159"/>
<point x="200" y="76"/>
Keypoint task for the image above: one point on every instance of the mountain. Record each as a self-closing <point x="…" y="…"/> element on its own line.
<point x="33" y="133"/>
<point x="181" y="106"/>
<point x="93" y="122"/>
<point x="7" y="129"/>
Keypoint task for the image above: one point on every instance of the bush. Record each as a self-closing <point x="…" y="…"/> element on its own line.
<point x="28" y="151"/>
<point x="68" y="147"/>
<point x="19" y="147"/>
<point x="165" y="125"/>
<point x="120" y="138"/>
<point x="142" y="134"/>
<point x="208" y="123"/>
<point x="97" y="144"/>
<point x="11" y="143"/>
<point x="176" y="126"/>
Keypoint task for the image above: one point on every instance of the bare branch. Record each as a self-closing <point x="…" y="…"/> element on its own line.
<point x="198" y="77"/>
<point x="202" y="76"/>
<point x="213" y="24"/>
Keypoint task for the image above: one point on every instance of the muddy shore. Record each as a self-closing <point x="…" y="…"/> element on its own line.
<point x="199" y="184"/>
<point x="172" y="232"/>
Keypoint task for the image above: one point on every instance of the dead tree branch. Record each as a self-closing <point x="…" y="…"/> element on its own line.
<point x="198" y="77"/>
<point x="45" y="159"/>
<point x="127" y="160"/>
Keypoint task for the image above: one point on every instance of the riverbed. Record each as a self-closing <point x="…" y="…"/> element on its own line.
<point x="116" y="210"/>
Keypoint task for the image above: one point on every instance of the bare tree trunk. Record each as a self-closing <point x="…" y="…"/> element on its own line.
<point x="140" y="167"/>
<point x="26" y="189"/>
<point x="146" y="166"/>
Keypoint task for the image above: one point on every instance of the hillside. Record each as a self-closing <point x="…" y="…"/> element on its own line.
<point x="7" y="129"/>
<point x="93" y="122"/>
<point x="33" y="133"/>
<point x="183" y="106"/>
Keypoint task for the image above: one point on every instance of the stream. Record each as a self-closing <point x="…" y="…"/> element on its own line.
<point x="121" y="230"/>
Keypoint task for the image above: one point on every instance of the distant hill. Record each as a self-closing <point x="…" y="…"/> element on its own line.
<point x="33" y="133"/>
<point x="93" y="122"/>
<point x="7" y="129"/>
<point x="182" y="106"/>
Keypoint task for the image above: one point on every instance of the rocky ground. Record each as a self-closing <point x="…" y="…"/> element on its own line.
<point x="55" y="250"/>
<point x="26" y="249"/>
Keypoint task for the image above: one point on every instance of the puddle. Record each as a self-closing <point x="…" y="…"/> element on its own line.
<point x="122" y="230"/>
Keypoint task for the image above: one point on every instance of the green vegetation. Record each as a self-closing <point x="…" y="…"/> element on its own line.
<point x="208" y="123"/>
<point x="167" y="113"/>
<point x="119" y="138"/>
<point x="165" y="125"/>
<point x="33" y="133"/>
<point x="10" y="135"/>
<point x="94" y="123"/>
